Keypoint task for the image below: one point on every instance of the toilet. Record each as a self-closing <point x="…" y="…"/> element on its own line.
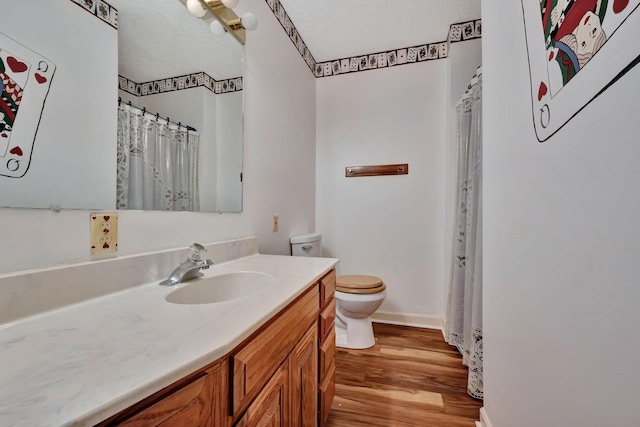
<point x="358" y="297"/>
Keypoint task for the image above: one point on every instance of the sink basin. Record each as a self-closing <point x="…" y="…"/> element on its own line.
<point x="225" y="287"/>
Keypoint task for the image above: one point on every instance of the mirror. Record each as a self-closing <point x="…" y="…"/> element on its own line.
<point x="173" y="74"/>
<point x="61" y="150"/>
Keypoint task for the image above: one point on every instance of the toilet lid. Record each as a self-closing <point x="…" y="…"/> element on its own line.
<point x="359" y="284"/>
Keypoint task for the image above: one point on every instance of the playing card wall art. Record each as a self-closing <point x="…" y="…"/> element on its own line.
<point x="25" y="78"/>
<point x="576" y="50"/>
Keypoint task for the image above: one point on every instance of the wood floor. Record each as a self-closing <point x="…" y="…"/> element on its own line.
<point x="410" y="378"/>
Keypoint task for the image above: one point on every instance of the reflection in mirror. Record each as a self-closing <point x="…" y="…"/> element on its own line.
<point x="180" y="118"/>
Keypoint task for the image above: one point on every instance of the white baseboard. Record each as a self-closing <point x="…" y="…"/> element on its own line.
<point x="408" y="319"/>
<point x="484" y="419"/>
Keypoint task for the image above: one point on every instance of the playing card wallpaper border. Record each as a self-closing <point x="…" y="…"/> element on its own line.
<point x="100" y="9"/>
<point x="172" y="84"/>
<point x="457" y="33"/>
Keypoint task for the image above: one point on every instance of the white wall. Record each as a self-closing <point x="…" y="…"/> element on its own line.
<point x="229" y="140"/>
<point x="388" y="226"/>
<point x="66" y="35"/>
<point x="561" y="247"/>
<point x="280" y="134"/>
<point x="279" y="128"/>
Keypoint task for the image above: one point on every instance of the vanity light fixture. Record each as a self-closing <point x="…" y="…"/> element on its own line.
<point x="226" y="20"/>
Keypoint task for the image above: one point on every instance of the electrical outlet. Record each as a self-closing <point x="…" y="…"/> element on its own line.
<point x="104" y="232"/>
<point x="274" y="222"/>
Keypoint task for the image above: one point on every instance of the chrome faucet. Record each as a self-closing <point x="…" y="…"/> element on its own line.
<point x="190" y="268"/>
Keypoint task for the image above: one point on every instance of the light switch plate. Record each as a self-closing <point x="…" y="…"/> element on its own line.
<point x="104" y="232"/>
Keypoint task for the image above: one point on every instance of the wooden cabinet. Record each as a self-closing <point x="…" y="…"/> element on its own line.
<point x="281" y="376"/>
<point x="194" y="401"/>
<point x="327" y="345"/>
<point x="256" y="360"/>
<point x="303" y="375"/>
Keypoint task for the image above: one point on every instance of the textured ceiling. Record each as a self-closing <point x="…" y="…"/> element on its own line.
<point x="334" y="29"/>
<point x="160" y="38"/>
<point x="169" y="41"/>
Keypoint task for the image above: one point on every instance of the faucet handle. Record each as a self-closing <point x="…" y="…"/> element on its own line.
<point x="197" y="250"/>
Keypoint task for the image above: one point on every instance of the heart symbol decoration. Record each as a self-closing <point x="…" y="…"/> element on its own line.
<point x="40" y="78"/>
<point x="16" y="151"/>
<point x="542" y="91"/>
<point x="105" y="231"/>
<point x="93" y="246"/>
<point x="16" y="65"/>
<point x="106" y="217"/>
<point x="105" y="246"/>
<point x="93" y="217"/>
<point x="620" y="5"/>
<point x="4" y="135"/>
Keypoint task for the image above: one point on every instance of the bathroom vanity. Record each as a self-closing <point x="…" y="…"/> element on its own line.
<point x="132" y="358"/>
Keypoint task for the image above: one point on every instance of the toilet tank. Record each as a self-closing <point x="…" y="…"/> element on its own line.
<point x="306" y="245"/>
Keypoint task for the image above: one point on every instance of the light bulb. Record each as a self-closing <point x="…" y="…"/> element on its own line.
<point x="249" y="21"/>
<point x="217" y="28"/>
<point x="196" y="9"/>
<point x="230" y="3"/>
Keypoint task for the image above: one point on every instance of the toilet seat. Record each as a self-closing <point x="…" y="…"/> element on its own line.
<point x="359" y="284"/>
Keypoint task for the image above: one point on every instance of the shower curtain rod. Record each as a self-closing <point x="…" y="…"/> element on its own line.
<point x="144" y="110"/>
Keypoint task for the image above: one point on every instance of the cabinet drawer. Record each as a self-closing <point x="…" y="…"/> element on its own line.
<point x="190" y="405"/>
<point x="254" y="363"/>
<point x="327" y="317"/>
<point x="327" y="393"/>
<point x="327" y="354"/>
<point x="327" y="287"/>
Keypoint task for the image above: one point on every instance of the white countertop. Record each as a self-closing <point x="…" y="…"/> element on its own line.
<point x="80" y="364"/>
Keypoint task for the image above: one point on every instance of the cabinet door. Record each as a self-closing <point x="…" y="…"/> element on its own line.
<point x="271" y="406"/>
<point x="188" y="406"/>
<point x="303" y="374"/>
<point x="254" y="363"/>
<point x="327" y="393"/>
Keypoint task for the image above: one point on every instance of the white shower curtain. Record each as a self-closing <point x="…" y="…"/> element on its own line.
<point x="464" y="312"/>
<point x="157" y="163"/>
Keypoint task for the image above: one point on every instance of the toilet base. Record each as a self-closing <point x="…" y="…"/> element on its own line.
<point x="358" y="333"/>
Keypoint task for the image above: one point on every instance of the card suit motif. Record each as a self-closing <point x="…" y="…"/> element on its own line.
<point x="392" y="58"/>
<point x="40" y="78"/>
<point x="382" y="60"/>
<point x="433" y="50"/>
<point x="344" y="65"/>
<point x="363" y="63"/>
<point x="373" y="61"/>
<point x="422" y="53"/>
<point x="467" y="30"/>
<point x="105" y="246"/>
<point x="402" y="56"/>
<point x="619" y="5"/>
<point x="542" y="90"/>
<point x="16" y="151"/>
<point x="455" y="33"/>
<point x="444" y="48"/>
<point x="353" y="65"/>
<point x="336" y="67"/>
<point x="412" y="54"/>
<point x="327" y="68"/>
<point x="16" y="65"/>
